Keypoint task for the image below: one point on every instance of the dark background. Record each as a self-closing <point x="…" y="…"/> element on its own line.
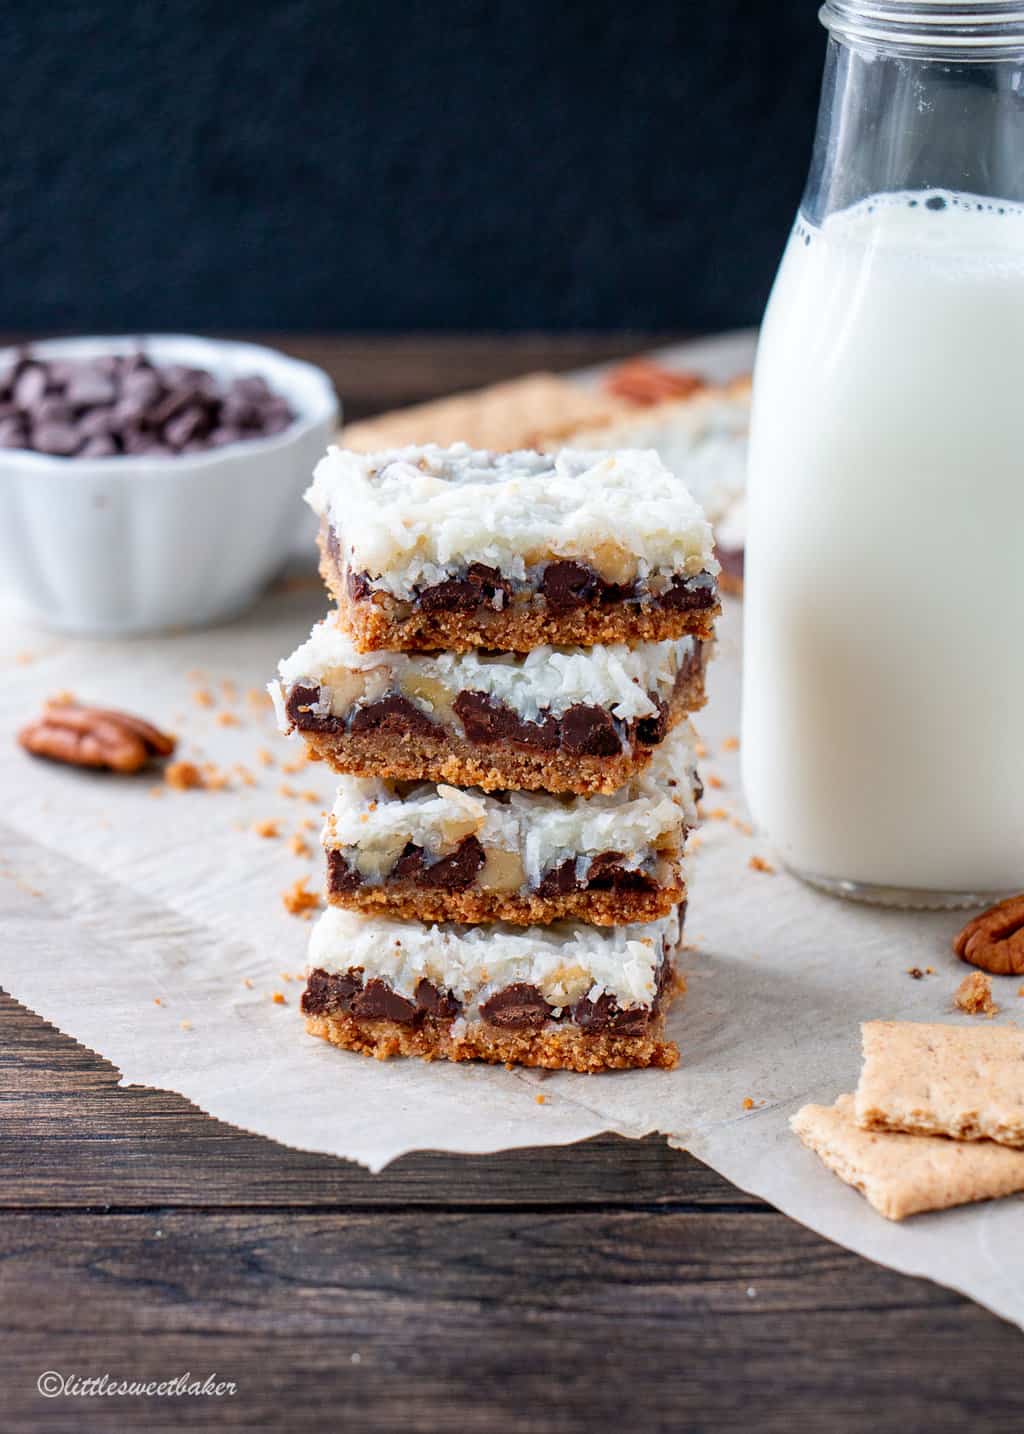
<point x="317" y="165"/>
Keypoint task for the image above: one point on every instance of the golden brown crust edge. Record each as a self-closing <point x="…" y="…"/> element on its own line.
<point x="565" y="1048"/>
<point x="406" y="900"/>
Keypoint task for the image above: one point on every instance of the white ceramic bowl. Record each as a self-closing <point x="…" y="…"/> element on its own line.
<point x="134" y="544"/>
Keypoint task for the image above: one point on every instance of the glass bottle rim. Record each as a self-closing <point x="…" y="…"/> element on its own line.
<point x="949" y="29"/>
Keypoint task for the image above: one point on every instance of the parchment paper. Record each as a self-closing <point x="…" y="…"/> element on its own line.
<point x="133" y="922"/>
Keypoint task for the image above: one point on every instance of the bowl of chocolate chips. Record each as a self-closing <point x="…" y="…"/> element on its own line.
<point x="152" y="482"/>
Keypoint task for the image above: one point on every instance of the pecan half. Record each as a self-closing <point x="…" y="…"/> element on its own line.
<point x="94" y="737"/>
<point x="994" y="941"/>
<point x="645" y="383"/>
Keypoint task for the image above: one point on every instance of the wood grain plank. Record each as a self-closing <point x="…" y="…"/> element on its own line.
<point x="70" y="1136"/>
<point x="498" y="1323"/>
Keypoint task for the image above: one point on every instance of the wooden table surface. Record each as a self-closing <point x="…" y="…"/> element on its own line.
<point x="614" y="1283"/>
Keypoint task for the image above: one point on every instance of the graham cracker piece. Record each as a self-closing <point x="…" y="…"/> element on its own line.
<point x="905" y="1175"/>
<point x="964" y="1082"/>
<point x="528" y="412"/>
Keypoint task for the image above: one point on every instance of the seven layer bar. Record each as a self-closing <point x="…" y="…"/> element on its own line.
<point x="573" y="769"/>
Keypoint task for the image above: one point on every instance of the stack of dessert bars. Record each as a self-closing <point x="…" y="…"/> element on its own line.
<point x="504" y="689"/>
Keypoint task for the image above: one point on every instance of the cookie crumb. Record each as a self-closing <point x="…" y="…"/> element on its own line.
<point x="256" y="697"/>
<point x="264" y="757"/>
<point x="748" y="1103"/>
<point x="247" y="983"/>
<point x="202" y="697"/>
<point x="279" y="998"/>
<point x="185" y="1025"/>
<point x="541" y="1099"/>
<point x="229" y="689"/>
<point x="742" y="826"/>
<point x="974" y="995"/>
<point x="182" y="776"/>
<point x="299" y="900"/>
<point x="915" y="972"/>
<point x="269" y="828"/>
<point x="758" y="863"/>
<point x="284" y="790"/>
<point x="298" y="846"/>
<point x="731" y="744"/>
<point x="226" y="719"/>
<point x="713" y="781"/>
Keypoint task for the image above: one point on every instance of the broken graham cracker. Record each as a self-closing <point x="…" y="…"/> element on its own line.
<point x="520" y="413"/>
<point x="974" y="996"/>
<point x="903" y="1175"/>
<point x="963" y="1082"/>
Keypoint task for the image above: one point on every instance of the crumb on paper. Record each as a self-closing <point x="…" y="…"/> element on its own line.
<point x="1020" y="992"/>
<point x="284" y="790"/>
<point x="24" y="658"/>
<point x="915" y="972"/>
<point x="298" y="846"/>
<point x="157" y="1001"/>
<point x="285" y="975"/>
<point x="183" y="776"/>
<point x="974" y="995"/>
<point x="247" y="982"/>
<point x="748" y="1103"/>
<point x="299" y="900"/>
<point x="226" y="719"/>
<point x="717" y="814"/>
<point x="541" y="1099"/>
<point x="742" y="826"/>
<point x="185" y="1025"/>
<point x="309" y="796"/>
<point x="214" y="778"/>
<point x="279" y="998"/>
<point x="700" y="750"/>
<point x="758" y="863"/>
<point x="203" y="697"/>
<point x="157" y="791"/>
<point x="264" y="756"/>
<point x="307" y="825"/>
<point x="268" y="828"/>
<point x="694" y="842"/>
<point x="243" y="774"/>
<point x="257" y="697"/>
<point x="713" y="780"/>
<point x="730" y="744"/>
<point x="295" y="764"/>
<point x="229" y="689"/>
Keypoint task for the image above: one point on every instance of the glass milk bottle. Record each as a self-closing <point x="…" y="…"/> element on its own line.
<point x="883" y="703"/>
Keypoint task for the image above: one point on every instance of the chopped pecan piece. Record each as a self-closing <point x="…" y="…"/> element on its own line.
<point x="994" y="941"/>
<point x="94" y="737"/>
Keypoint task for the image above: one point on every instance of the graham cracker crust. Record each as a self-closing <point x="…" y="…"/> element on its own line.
<point x="405" y="899"/>
<point x="555" y="1048"/>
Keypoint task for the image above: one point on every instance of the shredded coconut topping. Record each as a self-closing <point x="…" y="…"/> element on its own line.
<point x="408" y="514"/>
<point x="565" y="961"/>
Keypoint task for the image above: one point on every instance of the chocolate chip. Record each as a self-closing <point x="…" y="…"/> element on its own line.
<point x="589" y="731"/>
<point x="185" y="425"/>
<point x="690" y="594"/>
<point x="12" y="433"/>
<point x="409" y="866"/>
<point x="359" y="586"/>
<point x="98" y="447"/>
<point x="329" y="991"/>
<point x="604" y="1016"/>
<point x="392" y="714"/>
<point x="29" y="386"/>
<point x="341" y="877"/>
<point x="606" y="873"/>
<point x="559" y="880"/>
<point x="567" y="585"/>
<point x="484" y="719"/>
<point x="453" y="595"/>
<point x="378" y="1002"/>
<point x="435" y="1002"/>
<point x="301" y="699"/>
<point x="651" y="730"/>
<point x="60" y="439"/>
<point x="89" y="386"/>
<point x="518" y="1007"/>
<point x="457" y="871"/>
